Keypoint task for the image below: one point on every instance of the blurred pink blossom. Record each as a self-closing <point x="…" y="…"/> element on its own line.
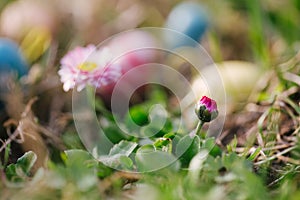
<point x="130" y="49"/>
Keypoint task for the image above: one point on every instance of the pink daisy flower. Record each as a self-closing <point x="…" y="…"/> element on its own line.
<point x="206" y="109"/>
<point x="87" y="66"/>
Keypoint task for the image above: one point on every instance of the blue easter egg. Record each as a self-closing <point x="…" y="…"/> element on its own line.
<point x="188" y="18"/>
<point x="11" y="58"/>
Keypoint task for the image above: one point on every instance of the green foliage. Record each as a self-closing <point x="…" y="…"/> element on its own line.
<point x="19" y="172"/>
<point x="148" y="159"/>
<point x="79" y="168"/>
<point x="187" y="148"/>
<point x="175" y="165"/>
<point x="225" y="177"/>
<point x="118" y="157"/>
<point x="257" y="34"/>
<point x="115" y="134"/>
<point x="6" y="156"/>
<point x="138" y="114"/>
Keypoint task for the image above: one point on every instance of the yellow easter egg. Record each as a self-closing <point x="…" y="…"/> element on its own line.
<point x="239" y="79"/>
<point x="35" y="43"/>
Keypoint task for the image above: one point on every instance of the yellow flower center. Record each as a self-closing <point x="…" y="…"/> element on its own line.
<point x="87" y="66"/>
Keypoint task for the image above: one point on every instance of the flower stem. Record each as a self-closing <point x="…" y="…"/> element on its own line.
<point x="198" y="129"/>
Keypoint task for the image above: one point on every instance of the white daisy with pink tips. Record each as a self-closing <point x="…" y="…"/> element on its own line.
<point x="88" y="66"/>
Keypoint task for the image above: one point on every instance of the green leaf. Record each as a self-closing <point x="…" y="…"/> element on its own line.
<point x="27" y="161"/>
<point x="231" y="147"/>
<point x="118" y="157"/>
<point x="72" y="140"/>
<point x="170" y="135"/>
<point x="137" y="114"/>
<point x="148" y="119"/>
<point x="12" y="175"/>
<point x="80" y="169"/>
<point x="115" y="134"/>
<point x="147" y="148"/>
<point x="126" y="162"/>
<point x="158" y="124"/>
<point x="152" y="131"/>
<point x="19" y="171"/>
<point x="103" y="170"/>
<point x="255" y="153"/>
<point x="6" y="155"/>
<point x="147" y="160"/>
<point x="123" y="148"/>
<point x="187" y="148"/>
<point x="210" y="145"/>
<point x="231" y="161"/>
<point x="77" y="156"/>
<point x="161" y="142"/>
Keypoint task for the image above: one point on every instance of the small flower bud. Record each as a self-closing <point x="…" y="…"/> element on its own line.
<point x="206" y="109"/>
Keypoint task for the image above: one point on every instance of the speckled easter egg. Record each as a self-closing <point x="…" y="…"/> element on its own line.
<point x="11" y="59"/>
<point x="188" y="18"/>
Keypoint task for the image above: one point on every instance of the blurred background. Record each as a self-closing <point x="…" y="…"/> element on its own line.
<point x="249" y="40"/>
